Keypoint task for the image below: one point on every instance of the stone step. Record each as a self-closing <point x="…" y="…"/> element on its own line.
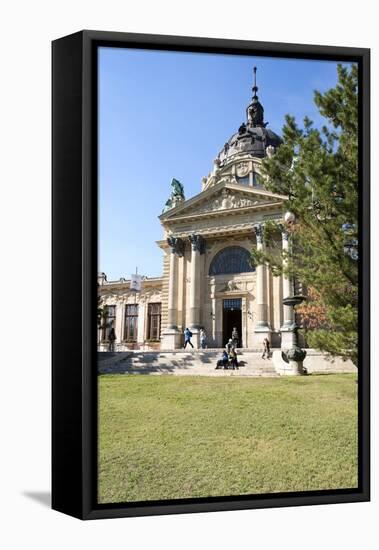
<point x="183" y="362"/>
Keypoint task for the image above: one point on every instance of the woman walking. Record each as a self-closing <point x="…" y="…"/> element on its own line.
<point x="203" y="339"/>
<point x="266" y="349"/>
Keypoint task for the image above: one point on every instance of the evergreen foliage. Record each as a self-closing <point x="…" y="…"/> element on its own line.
<point x="317" y="169"/>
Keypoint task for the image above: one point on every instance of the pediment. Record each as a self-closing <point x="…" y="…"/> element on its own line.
<point x="223" y="198"/>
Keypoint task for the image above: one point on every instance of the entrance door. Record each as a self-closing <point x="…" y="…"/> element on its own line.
<point x="232" y="317"/>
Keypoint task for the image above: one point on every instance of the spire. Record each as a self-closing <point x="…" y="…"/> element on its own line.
<point x="255" y="87"/>
<point x="255" y="109"/>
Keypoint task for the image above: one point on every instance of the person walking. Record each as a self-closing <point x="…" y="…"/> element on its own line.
<point x="111" y="339"/>
<point x="266" y="349"/>
<point x="203" y="338"/>
<point x="187" y="338"/>
<point x="235" y="337"/>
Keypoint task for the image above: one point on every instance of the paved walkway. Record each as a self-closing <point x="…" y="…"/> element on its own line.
<point x="183" y="362"/>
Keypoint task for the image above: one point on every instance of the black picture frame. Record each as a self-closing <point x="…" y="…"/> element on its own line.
<point x="74" y="269"/>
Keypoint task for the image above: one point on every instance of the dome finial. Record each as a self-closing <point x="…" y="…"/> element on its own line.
<point x="255" y="87"/>
<point x="255" y="109"/>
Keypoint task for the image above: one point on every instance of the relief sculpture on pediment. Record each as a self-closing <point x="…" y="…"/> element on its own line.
<point x="225" y="202"/>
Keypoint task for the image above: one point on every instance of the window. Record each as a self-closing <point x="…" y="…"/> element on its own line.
<point x="243" y="181"/>
<point x="154" y="321"/>
<point x="131" y="320"/>
<point x="257" y="180"/>
<point x="233" y="259"/>
<point x="111" y="314"/>
<point x="232" y="304"/>
<point x="109" y="318"/>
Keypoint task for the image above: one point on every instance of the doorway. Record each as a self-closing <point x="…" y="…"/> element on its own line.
<point x="231" y="317"/>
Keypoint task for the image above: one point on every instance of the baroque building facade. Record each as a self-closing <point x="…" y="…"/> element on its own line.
<point x="208" y="279"/>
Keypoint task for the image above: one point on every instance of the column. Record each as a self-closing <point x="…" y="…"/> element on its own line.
<point x="288" y="312"/>
<point x="218" y="323"/>
<point x="244" y="328"/>
<point x="171" y="336"/>
<point x="172" y="287"/>
<point x="261" y="325"/>
<point x="198" y="247"/>
<point x="118" y="322"/>
<point x="142" y="307"/>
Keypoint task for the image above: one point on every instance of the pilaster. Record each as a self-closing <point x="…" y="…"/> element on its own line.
<point x="171" y="338"/>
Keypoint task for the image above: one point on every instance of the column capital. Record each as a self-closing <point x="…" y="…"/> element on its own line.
<point x="177" y="245"/>
<point x="198" y="243"/>
<point x="258" y="230"/>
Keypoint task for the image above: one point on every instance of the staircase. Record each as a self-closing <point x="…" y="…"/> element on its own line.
<point x="183" y="362"/>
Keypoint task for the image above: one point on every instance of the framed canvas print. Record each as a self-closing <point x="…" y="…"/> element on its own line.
<point x="210" y="275"/>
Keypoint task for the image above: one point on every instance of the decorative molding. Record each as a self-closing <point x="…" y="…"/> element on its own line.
<point x="242" y="169"/>
<point x="230" y="231"/>
<point x="273" y="217"/>
<point x="198" y="243"/>
<point x="226" y="201"/>
<point x="230" y="286"/>
<point x="177" y="245"/>
<point x="231" y="294"/>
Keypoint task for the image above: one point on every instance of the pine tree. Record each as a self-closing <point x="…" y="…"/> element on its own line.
<point x="317" y="169"/>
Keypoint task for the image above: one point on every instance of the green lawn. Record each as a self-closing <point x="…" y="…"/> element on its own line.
<point x="164" y="437"/>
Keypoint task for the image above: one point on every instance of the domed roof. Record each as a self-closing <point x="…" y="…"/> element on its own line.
<point x="253" y="140"/>
<point x="252" y="137"/>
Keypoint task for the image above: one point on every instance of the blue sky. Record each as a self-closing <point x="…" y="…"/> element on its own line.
<point x="167" y="114"/>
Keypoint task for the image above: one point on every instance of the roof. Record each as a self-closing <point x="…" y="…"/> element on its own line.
<point x="249" y="139"/>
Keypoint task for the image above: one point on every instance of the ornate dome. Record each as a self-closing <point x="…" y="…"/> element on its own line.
<point x="253" y="140"/>
<point x="252" y="137"/>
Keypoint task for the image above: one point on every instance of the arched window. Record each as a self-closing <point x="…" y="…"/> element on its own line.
<point x="233" y="259"/>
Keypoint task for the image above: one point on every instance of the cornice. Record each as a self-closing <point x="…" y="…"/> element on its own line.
<point x="222" y="213"/>
<point x="206" y="194"/>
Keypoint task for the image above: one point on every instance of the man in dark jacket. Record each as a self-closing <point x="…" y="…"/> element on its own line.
<point x="187" y="338"/>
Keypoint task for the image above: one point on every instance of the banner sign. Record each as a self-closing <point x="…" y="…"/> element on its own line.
<point x="135" y="282"/>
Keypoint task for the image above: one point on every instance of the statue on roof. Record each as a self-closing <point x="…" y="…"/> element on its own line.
<point x="177" y="195"/>
<point x="177" y="189"/>
<point x="167" y="206"/>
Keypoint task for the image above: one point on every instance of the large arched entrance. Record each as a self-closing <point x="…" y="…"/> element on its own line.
<point x="228" y="263"/>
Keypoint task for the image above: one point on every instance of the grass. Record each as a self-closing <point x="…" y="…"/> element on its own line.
<point x="168" y="437"/>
